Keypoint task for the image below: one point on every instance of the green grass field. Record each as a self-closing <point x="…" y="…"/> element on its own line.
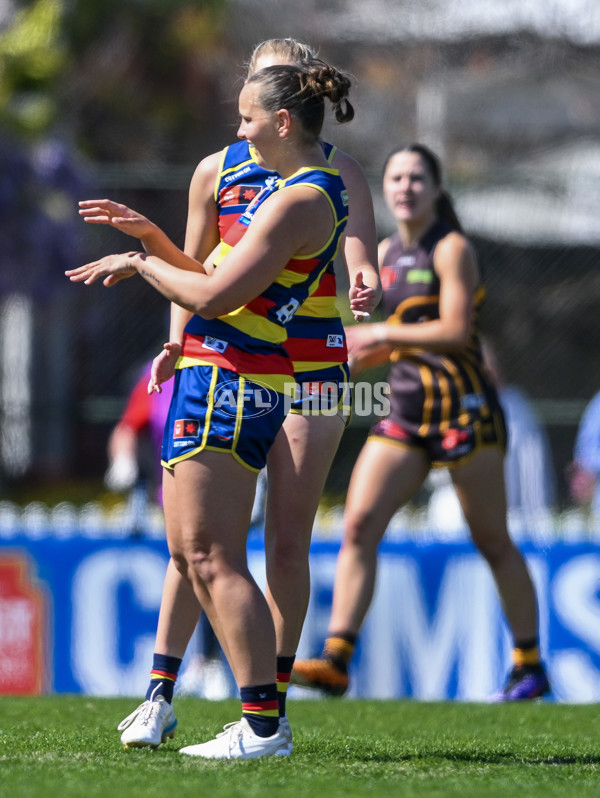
<point x="68" y="746"/>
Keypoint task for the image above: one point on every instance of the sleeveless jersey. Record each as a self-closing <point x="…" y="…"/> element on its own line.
<point x="315" y="334"/>
<point x="431" y="392"/>
<point x="239" y="180"/>
<point x="250" y="340"/>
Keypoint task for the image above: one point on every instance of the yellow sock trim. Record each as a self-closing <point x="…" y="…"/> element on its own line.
<point x="339" y="648"/>
<point x="267" y="713"/>
<point x="526" y="656"/>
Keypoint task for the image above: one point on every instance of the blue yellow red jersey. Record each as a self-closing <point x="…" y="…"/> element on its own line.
<point x="239" y="180"/>
<point x="315" y="334"/>
<point x="252" y="339"/>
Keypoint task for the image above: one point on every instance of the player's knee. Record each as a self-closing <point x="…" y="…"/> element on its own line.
<point x="203" y="565"/>
<point x="180" y="563"/>
<point x="361" y="530"/>
<point x="289" y="542"/>
<point x="288" y="560"/>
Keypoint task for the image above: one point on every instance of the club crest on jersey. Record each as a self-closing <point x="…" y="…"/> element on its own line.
<point x="214" y="344"/>
<point x="186" y="428"/>
<point x="286" y="312"/>
<point x="335" y="341"/>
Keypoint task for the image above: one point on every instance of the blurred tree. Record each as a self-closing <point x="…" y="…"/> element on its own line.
<point x="117" y="80"/>
<point x="120" y="81"/>
<point x="31" y="58"/>
<point x="143" y="76"/>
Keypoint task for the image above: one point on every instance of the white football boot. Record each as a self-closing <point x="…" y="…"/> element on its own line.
<point x="150" y="724"/>
<point x="285" y="729"/>
<point x="238" y="741"/>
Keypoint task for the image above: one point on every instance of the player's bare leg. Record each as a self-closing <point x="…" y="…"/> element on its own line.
<point x="485" y="512"/>
<point x="385" y="477"/>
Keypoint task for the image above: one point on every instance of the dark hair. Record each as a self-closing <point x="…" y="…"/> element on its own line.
<point x="443" y="206"/>
<point x="301" y="90"/>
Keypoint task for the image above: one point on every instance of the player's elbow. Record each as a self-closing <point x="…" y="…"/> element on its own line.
<point x="209" y="307"/>
<point x="458" y="338"/>
<point x="459" y="341"/>
<point x="204" y="311"/>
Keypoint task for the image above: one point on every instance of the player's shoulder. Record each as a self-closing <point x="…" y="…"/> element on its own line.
<point x="454" y="254"/>
<point x="346" y="164"/>
<point x="454" y="242"/>
<point x="208" y="168"/>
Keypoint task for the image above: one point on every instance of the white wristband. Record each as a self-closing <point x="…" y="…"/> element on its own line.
<point x="381" y="333"/>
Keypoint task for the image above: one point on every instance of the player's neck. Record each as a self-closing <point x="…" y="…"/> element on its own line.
<point x="301" y="158"/>
<point x="412" y="232"/>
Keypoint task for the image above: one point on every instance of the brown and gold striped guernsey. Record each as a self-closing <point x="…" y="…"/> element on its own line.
<point x="432" y="392"/>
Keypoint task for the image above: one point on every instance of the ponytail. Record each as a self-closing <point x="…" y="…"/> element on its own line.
<point x="445" y="211"/>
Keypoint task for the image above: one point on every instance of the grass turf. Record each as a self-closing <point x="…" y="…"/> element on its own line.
<point x="68" y="746"/>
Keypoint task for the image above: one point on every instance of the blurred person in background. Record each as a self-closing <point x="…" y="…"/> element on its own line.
<point x="223" y="185"/>
<point x="444" y="412"/>
<point x="528" y="467"/>
<point x="276" y="253"/>
<point x="583" y="474"/>
<point x="136" y="439"/>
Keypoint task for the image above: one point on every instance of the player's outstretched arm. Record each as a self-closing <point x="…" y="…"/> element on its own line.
<point x="155" y="241"/>
<point x="359" y="243"/>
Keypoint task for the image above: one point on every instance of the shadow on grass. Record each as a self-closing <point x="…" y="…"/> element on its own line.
<point x="355" y="751"/>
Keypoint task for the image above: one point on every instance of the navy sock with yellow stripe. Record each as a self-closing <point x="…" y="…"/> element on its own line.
<point x="284" y="671"/>
<point x="260" y="707"/>
<point x="163" y="677"/>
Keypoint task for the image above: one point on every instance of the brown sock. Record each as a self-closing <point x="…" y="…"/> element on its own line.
<point x="339" y="650"/>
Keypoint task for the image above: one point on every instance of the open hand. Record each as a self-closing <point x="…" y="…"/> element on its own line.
<point x="366" y="348"/>
<point x="363" y="300"/>
<point x="112" y="267"/>
<point x="163" y="366"/>
<point x="105" y="211"/>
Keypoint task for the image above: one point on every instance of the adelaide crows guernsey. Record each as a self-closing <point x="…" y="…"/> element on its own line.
<point x="431" y="392"/>
<point x="239" y="180"/>
<point x="315" y="334"/>
<point x="250" y="340"/>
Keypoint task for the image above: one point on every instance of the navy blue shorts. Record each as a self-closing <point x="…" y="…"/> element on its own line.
<point x="323" y="392"/>
<point x="215" y="409"/>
